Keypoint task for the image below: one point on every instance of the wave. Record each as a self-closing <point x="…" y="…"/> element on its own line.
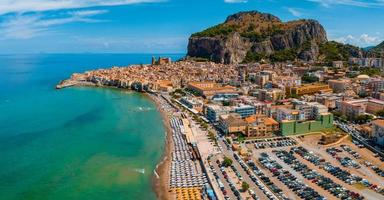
<point x="142" y="109"/>
<point x="142" y="171"/>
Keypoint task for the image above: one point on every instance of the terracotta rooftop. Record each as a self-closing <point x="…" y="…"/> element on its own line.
<point x="379" y="122"/>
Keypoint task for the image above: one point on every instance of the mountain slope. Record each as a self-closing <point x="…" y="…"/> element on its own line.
<point x="249" y="36"/>
<point x="378" y="50"/>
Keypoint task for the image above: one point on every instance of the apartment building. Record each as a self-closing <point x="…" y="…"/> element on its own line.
<point x="378" y="131"/>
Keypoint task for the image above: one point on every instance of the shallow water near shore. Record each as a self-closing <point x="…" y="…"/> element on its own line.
<point x="75" y="143"/>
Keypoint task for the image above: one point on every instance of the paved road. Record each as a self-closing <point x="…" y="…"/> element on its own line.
<point x="222" y="179"/>
<point x="253" y="186"/>
<point x="356" y="135"/>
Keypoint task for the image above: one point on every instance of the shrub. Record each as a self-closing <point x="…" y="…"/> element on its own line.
<point x="244" y="186"/>
<point x="227" y="162"/>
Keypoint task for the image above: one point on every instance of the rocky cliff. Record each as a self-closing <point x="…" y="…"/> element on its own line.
<point x="251" y="36"/>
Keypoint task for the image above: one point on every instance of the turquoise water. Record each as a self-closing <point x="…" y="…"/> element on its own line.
<point x="76" y="143"/>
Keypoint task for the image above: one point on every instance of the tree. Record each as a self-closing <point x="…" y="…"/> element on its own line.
<point x="226" y="103"/>
<point x="380" y="113"/>
<point x="244" y="186"/>
<point x="205" y="126"/>
<point x="307" y="78"/>
<point x="362" y="119"/>
<point x="337" y="114"/>
<point x="211" y="135"/>
<point x="283" y="55"/>
<point x="227" y="162"/>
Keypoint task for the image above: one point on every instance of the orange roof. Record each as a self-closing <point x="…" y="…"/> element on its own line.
<point x="270" y="121"/>
<point x="164" y="82"/>
<point x="379" y="122"/>
<point x="210" y="86"/>
<point x="250" y="119"/>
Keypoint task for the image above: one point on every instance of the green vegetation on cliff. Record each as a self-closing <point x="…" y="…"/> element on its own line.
<point x="218" y="30"/>
<point x="254" y="57"/>
<point x="283" y="55"/>
<point x="332" y="51"/>
<point x="251" y="32"/>
<point x="378" y="50"/>
<point x="278" y="56"/>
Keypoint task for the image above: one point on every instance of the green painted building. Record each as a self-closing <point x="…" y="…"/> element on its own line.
<point x="295" y="127"/>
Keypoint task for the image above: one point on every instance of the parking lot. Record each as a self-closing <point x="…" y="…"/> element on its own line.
<point x="279" y="142"/>
<point x="222" y="180"/>
<point x="350" y="157"/>
<point x="248" y="174"/>
<point x="339" y="172"/>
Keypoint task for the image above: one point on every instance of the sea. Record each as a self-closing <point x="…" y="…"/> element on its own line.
<point x="75" y="143"/>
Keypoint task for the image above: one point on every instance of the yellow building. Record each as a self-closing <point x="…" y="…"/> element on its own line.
<point x="232" y="123"/>
<point x="261" y="126"/>
<point x="308" y="89"/>
<point x="163" y="85"/>
<point x="209" y="88"/>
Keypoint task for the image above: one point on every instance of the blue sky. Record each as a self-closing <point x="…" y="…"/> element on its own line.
<point x="163" y="26"/>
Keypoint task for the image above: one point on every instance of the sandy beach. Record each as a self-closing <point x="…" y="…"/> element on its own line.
<point x="160" y="182"/>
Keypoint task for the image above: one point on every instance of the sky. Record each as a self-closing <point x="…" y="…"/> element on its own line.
<point x="163" y="26"/>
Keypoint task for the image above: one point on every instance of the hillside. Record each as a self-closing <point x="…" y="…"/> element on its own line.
<point x="377" y="50"/>
<point x="331" y="51"/>
<point x="251" y="36"/>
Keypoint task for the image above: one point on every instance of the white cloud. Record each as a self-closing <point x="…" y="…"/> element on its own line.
<point x="368" y="39"/>
<point x="363" y="40"/>
<point x="24" y="19"/>
<point x="133" y="44"/>
<point x="358" y="3"/>
<point x="22" y="6"/>
<point x="25" y="26"/>
<point x="235" y="1"/>
<point x="349" y="39"/>
<point x="294" y="12"/>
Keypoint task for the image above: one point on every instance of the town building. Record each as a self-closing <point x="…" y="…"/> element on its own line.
<point x="271" y="95"/>
<point x="287" y="114"/>
<point x="378" y="95"/>
<point x="308" y="89"/>
<point x="261" y="108"/>
<point x="163" y="85"/>
<point x="302" y="111"/>
<point x="160" y="61"/>
<point x="244" y="110"/>
<point x="225" y="96"/>
<point x="261" y="126"/>
<point x="209" y="89"/>
<point x="367" y="62"/>
<point x="339" y="85"/>
<point x="192" y="103"/>
<point x="287" y="81"/>
<point x="232" y="123"/>
<point x="329" y="100"/>
<point x="354" y="108"/>
<point x="376" y="84"/>
<point x="337" y="64"/>
<point x="261" y="79"/>
<point x="292" y="127"/>
<point x="378" y="131"/>
<point x="214" y="111"/>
